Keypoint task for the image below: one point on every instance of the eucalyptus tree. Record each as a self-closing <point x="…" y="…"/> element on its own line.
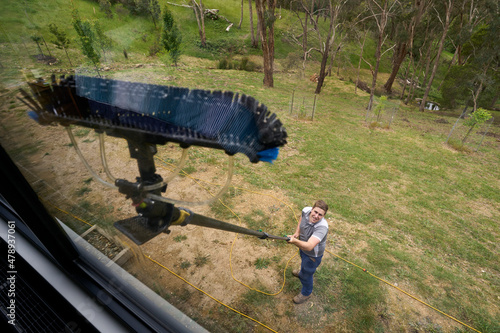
<point x="266" y="19"/>
<point x="381" y="11"/>
<point x="340" y="16"/>
<point x="333" y="10"/>
<point x="404" y="24"/>
<point x="255" y="43"/>
<point x="200" y="19"/>
<point x="443" y="11"/>
<point x="475" y="79"/>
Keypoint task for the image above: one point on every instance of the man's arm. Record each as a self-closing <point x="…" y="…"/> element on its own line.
<point x="306" y="246"/>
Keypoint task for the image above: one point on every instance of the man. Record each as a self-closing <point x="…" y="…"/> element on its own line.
<point x="310" y="238"/>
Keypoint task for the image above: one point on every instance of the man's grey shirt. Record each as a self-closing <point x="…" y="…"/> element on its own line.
<point x="318" y="230"/>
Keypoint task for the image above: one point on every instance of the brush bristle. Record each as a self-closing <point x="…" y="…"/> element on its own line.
<point x="223" y="120"/>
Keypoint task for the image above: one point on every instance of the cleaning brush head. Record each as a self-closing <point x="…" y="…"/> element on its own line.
<point x="222" y="120"/>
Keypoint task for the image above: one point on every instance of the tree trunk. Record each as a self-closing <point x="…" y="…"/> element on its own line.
<point x="440" y="50"/>
<point x="468" y="133"/>
<point x="200" y="19"/>
<point x="46" y="46"/>
<point x="375" y="72"/>
<point x="399" y="56"/>
<point x="401" y="50"/>
<point x="428" y="62"/>
<point x="304" y="33"/>
<point x="266" y="31"/>
<point x="255" y="44"/>
<point x="410" y="63"/>
<point x="40" y="49"/>
<point x="381" y="24"/>
<point x="332" y="14"/>
<point x="241" y="16"/>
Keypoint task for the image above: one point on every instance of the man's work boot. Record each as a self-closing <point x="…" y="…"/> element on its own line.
<point x="299" y="299"/>
<point x="296" y="272"/>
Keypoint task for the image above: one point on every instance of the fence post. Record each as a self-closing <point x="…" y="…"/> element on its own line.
<point x="291" y="104"/>
<point x="314" y="106"/>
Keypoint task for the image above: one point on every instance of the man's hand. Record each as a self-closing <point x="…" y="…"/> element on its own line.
<point x="306" y="246"/>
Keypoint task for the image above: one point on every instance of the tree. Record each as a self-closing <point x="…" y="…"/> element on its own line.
<point x="241" y="15"/>
<point x="302" y="6"/>
<point x="101" y="40"/>
<point x="255" y="44"/>
<point x="87" y="39"/>
<point x="380" y="13"/>
<point x="477" y="117"/>
<point x="105" y="6"/>
<point x="37" y="39"/>
<point x="148" y="7"/>
<point x="342" y="16"/>
<point x="334" y="9"/>
<point x="405" y="23"/>
<point x="362" y="47"/>
<point x="171" y="37"/>
<point x="200" y="19"/>
<point x="421" y="53"/>
<point x="265" y="12"/>
<point x="61" y="41"/>
<point x="482" y="53"/>
<point x="155" y="11"/>
<point x="448" y="7"/>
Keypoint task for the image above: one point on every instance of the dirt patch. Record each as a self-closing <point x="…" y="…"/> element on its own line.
<point x="442" y="121"/>
<point x="45" y="59"/>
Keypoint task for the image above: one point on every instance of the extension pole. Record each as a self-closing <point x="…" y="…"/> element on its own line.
<point x="208" y="222"/>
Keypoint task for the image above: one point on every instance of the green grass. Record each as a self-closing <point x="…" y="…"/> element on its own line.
<point x="201" y="260"/>
<point x="180" y="238"/>
<point x="261" y="263"/>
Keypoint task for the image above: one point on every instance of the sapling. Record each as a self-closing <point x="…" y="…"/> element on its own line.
<point x="478" y="117"/>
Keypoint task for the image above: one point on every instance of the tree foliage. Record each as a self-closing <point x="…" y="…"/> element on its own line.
<point x="105" y="7"/>
<point x="475" y="78"/>
<point x="171" y="38"/>
<point x="476" y="118"/>
<point x="456" y="86"/>
<point x="87" y="39"/>
<point x="62" y="41"/>
<point x="102" y="41"/>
